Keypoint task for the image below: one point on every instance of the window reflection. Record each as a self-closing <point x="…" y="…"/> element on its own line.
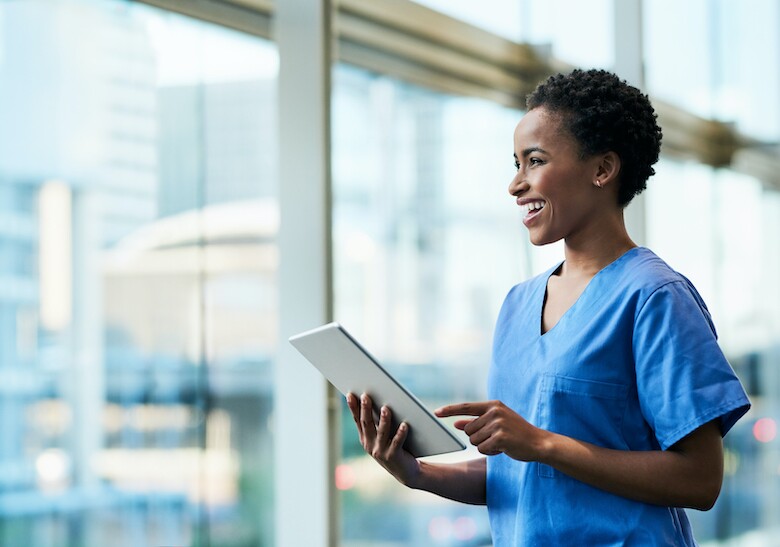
<point x="579" y="33"/>
<point x="137" y="278"/>
<point x="427" y="242"/>
<point x="723" y="72"/>
<point x="731" y="257"/>
<point x="384" y="251"/>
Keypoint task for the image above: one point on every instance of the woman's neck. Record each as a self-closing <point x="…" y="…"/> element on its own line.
<point x="589" y="252"/>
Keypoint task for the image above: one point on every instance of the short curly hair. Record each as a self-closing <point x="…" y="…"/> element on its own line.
<point x="604" y="113"/>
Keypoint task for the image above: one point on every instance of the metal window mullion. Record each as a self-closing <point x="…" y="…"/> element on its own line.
<point x="687" y="135"/>
<point x="431" y="56"/>
<point x="402" y="69"/>
<point x="249" y="16"/>
<point x="413" y="19"/>
<point x="305" y="409"/>
<point x="629" y="65"/>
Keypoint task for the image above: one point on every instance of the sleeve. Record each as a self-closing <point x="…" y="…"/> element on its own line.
<point x="683" y="378"/>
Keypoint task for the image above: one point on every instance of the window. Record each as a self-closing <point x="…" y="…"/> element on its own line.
<point x="724" y="71"/>
<point x="427" y="242"/>
<point x="729" y="254"/>
<point x="138" y="254"/>
<point x="579" y="33"/>
<point x="138" y="264"/>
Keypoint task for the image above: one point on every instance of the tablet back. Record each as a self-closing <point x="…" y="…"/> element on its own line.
<point x="349" y="367"/>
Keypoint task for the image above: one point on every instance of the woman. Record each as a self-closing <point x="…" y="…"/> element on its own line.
<point x="609" y="393"/>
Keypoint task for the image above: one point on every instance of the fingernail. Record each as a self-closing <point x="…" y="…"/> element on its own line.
<point x="384" y="411"/>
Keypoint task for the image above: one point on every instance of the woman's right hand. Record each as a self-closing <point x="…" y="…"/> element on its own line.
<point x="381" y="442"/>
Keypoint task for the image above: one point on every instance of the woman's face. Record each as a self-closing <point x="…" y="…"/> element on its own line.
<point x="554" y="187"/>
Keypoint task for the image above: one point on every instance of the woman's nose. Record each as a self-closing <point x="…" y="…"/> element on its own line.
<point x="518" y="184"/>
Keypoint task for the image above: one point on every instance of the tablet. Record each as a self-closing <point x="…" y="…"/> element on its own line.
<point x="350" y="368"/>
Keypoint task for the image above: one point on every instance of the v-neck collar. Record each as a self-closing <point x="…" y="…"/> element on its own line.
<point x="576" y="303"/>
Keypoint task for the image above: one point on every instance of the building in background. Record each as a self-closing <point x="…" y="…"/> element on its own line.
<point x="116" y="416"/>
<point x="78" y="170"/>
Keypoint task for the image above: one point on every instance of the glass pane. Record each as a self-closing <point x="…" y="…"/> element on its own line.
<point x="138" y="294"/>
<point x="580" y="33"/>
<point x="503" y="17"/>
<point x="680" y="75"/>
<point x="747" y="89"/>
<point x="726" y="69"/>
<point x="730" y="253"/>
<point x="427" y="242"/>
<point x="727" y="236"/>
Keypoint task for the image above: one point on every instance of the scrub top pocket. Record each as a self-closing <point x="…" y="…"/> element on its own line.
<point x="587" y="410"/>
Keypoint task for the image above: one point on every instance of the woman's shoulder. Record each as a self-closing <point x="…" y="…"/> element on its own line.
<point x="649" y="275"/>
<point x="646" y="271"/>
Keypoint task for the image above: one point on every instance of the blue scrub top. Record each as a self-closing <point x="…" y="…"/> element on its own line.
<point x="634" y="364"/>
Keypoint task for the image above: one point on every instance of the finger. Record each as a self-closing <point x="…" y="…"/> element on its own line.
<point x="385" y="422"/>
<point x="461" y="424"/>
<point x="354" y="407"/>
<point x="462" y="409"/>
<point x="482" y="438"/>
<point x="367" y="419"/>
<point x="479" y="436"/>
<point x="488" y="449"/>
<point x="400" y="437"/>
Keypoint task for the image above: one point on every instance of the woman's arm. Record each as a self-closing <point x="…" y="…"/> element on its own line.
<point x="463" y="481"/>
<point x="688" y="474"/>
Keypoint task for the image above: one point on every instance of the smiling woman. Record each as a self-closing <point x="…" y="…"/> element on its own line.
<point x="139" y="289"/>
<point x="622" y="394"/>
<point x="586" y="167"/>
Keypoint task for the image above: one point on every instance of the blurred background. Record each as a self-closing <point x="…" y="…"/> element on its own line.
<point x="139" y="214"/>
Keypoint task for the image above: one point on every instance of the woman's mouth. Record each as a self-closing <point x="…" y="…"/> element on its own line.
<point x="531" y="210"/>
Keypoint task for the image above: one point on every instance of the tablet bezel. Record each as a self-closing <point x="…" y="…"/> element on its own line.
<point x="352" y="369"/>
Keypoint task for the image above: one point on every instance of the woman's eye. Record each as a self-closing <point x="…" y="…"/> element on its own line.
<point x="517" y="165"/>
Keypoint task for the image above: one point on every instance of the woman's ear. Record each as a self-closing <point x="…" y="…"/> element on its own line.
<point x="608" y="169"/>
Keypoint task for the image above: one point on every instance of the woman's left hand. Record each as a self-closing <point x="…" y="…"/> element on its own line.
<point x="497" y="429"/>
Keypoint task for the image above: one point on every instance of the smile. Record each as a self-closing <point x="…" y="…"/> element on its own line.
<point x="532" y="207"/>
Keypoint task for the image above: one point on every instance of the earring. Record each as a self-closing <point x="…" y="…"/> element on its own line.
<point x="598" y="183"/>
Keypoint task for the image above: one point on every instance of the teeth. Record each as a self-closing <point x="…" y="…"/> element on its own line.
<point x="533" y="206"/>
